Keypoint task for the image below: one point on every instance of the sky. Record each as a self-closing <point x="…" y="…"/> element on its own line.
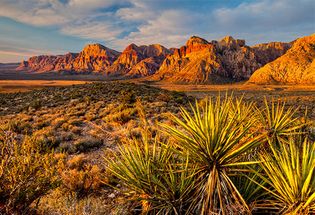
<point x="34" y="27"/>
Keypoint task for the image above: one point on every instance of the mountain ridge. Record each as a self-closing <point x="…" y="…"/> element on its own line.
<point x="296" y="66"/>
<point x="198" y="61"/>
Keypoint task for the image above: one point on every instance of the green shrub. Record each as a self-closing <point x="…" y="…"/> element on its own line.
<point x="289" y="175"/>
<point x="215" y="137"/>
<point x="79" y="178"/>
<point x="161" y="182"/>
<point x="87" y="143"/>
<point x="25" y="174"/>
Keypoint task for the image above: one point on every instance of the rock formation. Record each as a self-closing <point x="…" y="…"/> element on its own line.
<point x="134" y="61"/>
<point x="93" y="57"/>
<point x="296" y="66"/>
<point x="45" y="63"/>
<point x="138" y="61"/>
<point x="198" y="61"/>
<point x="229" y="59"/>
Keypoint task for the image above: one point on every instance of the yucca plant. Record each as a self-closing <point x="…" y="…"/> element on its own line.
<point x="154" y="175"/>
<point x="277" y="122"/>
<point x="289" y="173"/>
<point x="216" y="138"/>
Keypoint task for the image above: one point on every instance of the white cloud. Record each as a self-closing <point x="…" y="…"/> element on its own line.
<point x="266" y="14"/>
<point x="146" y="21"/>
<point x="94" y="30"/>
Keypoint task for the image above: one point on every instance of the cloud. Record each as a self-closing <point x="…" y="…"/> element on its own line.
<point x="267" y="14"/>
<point x="9" y="54"/>
<point x="171" y="23"/>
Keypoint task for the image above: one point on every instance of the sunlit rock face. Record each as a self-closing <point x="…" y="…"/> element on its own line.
<point x="134" y="61"/>
<point x="296" y="66"/>
<point x="198" y="61"/>
<point x="229" y="59"/>
<point x="46" y="63"/>
<point x="139" y="61"/>
<point x="93" y="58"/>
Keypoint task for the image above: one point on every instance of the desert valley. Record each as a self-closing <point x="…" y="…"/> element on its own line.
<point x="200" y="126"/>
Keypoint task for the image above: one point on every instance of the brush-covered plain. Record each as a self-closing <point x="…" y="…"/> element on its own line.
<point x="122" y="148"/>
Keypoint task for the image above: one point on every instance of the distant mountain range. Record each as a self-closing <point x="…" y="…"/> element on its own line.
<point x="199" y="61"/>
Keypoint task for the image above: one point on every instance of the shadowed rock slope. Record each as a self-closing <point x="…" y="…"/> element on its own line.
<point x="297" y="66"/>
<point x="139" y="61"/>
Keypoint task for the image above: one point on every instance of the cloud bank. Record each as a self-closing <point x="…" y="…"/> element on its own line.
<point x="120" y="22"/>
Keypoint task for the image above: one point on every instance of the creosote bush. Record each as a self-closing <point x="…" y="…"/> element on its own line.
<point x="222" y="156"/>
<point x="78" y="177"/>
<point x="26" y="174"/>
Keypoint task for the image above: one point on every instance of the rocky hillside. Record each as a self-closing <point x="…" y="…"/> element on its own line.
<point x="229" y="59"/>
<point x="139" y="61"/>
<point x="45" y="63"/>
<point x="93" y="58"/>
<point x="296" y="66"/>
<point x="198" y="61"/>
<point x="134" y="61"/>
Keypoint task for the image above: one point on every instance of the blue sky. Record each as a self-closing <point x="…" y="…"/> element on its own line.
<point x="33" y="27"/>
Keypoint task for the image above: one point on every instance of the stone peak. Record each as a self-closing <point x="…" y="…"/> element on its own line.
<point x="196" y="40"/>
<point x="131" y="46"/>
<point x="94" y="46"/>
<point x="231" y="42"/>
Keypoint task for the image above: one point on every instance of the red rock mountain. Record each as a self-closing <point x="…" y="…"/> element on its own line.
<point x="45" y="63"/>
<point x="93" y="58"/>
<point x="229" y="59"/>
<point x="139" y="61"/>
<point x="296" y="66"/>
<point x="134" y="61"/>
<point x="198" y="61"/>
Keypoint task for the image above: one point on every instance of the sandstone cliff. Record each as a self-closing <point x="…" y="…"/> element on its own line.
<point x="93" y="57"/>
<point x="198" y="61"/>
<point x="45" y="63"/>
<point x="138" y="61"/>
<point x="296" y="66"/>
<point x="229" y="59"/>
<point x="134" y="61"/>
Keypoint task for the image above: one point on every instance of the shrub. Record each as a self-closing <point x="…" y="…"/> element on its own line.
<point x="277" y="122"/>
<point x="215" y="137"/>
<point x="80" y="178"/>
<point x="87" y="143"/>
<point x="127" y="97"/>
<point x="162" y="183"/>
<point x="25" y="174"/>
<point x="289" y="172"/>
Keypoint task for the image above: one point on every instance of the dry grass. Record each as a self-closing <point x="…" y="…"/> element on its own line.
<point x="87" y="121"/>
<point x="12" y="86"/>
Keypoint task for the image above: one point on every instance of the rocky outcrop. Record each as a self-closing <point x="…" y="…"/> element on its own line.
<point x="268" y="52"/>
<point x="145" y="67"/>
<point x="296" y="66"/>
<point x="93" y="58"/>
<point x="134" y="61"/>
<point x="198" y="61"/>
<point x="229" y="59"/>
<point x="46" y="63"/>
<point x="138" y="61"/>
